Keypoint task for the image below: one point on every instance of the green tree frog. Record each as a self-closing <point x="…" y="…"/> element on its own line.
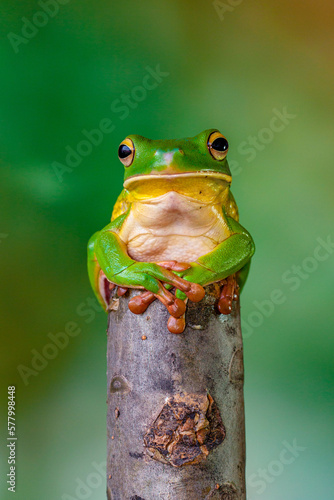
<point x="174" y="228"/>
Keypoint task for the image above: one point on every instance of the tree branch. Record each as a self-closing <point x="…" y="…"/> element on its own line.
<point x="175" y="404"/>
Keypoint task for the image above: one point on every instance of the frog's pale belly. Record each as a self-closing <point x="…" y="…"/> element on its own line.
<point x="173" y="227"/>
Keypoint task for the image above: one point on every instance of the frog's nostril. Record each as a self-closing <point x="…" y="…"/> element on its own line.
<point x="181" y="151"/>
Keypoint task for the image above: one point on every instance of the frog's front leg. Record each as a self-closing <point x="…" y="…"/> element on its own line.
<point x="140" y="303"/>
<point x="101" y="287"/>
<point x="229" y="261"/>
<point x="113" y="259"/>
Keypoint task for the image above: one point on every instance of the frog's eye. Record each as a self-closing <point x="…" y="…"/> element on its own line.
<point x="217" y="145"/>
<point x="126" y="152"/>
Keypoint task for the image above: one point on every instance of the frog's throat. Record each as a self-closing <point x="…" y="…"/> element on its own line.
<point x="210" y="174"/>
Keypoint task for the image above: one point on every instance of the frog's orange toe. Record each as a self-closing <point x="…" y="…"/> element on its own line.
<point x="225" y="306"/>
<point x="140" y="303"/>
<point x="229" y="292"/>
<point x="196" y="292"/>
<point x="176" y="325"/>
<point x="177" y="308"/>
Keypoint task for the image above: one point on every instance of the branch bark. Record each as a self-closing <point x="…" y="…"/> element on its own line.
<point x="175" y="420"/>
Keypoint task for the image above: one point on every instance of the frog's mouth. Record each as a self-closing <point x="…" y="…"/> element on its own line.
<point x="204" y="186"/>
<point x="210" y="175"/>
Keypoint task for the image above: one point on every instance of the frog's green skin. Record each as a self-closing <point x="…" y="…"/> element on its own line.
<point x="176" y="206"/>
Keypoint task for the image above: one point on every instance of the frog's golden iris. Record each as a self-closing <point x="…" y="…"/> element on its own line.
<point x="218" y="145"/>
<point x="126" y="152"/>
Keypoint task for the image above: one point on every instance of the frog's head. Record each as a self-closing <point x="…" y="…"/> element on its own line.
<point x="184" y="165"/>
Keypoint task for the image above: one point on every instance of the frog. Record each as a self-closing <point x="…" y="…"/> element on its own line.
<point x="174" y="228"/>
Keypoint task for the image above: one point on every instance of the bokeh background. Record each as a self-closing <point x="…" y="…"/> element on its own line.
<point x="233" y="65"/>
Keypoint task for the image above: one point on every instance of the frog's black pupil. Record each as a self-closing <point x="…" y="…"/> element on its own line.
<point x="220" y="144"/>
<point x="124" y="151"/>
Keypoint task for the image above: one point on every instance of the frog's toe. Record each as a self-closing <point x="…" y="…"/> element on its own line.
<point x="225" y="305"/>
<point x="121" y="290"/>
<point x="192" y="290"/>
<point x="176" y="307"/>
<point x="176" y="325"/>
<point x="229" y="292"/>
<point x="196" y="292"/>
<point x="140" y="303"/>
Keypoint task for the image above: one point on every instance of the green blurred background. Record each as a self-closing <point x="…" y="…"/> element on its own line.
<point x="234" y="67"/>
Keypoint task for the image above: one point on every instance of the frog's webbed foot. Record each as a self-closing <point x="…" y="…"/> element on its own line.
<point x="176" y="307"/>
<point x="165" y="282"/>
<point x="193" y="291"/>
<point x="176" y="322"/>
<point x="229" y="292"/>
